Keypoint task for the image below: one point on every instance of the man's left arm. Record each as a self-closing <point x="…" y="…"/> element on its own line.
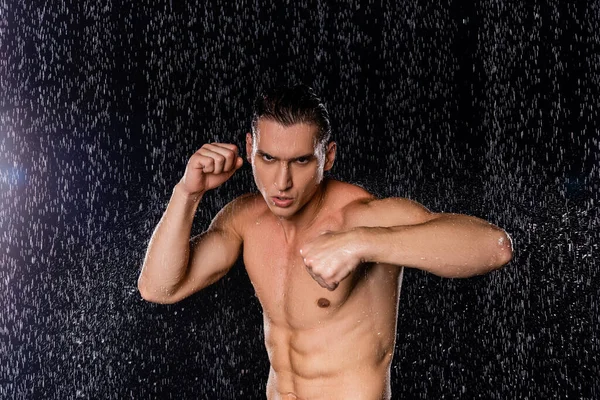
<point x="447" y="245"/>
<point x="402" y="232"/>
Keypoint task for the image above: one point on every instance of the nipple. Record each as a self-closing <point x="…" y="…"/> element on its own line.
<point x="323" y="302"/>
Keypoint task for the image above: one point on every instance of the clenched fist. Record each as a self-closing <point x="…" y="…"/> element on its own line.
<point x="332" y="256"/>
<point x="210" y="166"/>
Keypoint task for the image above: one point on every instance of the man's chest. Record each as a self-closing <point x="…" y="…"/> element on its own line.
<point x="282" y="283"/>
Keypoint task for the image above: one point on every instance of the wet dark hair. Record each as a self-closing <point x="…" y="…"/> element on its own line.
<point x="289" y="105"/>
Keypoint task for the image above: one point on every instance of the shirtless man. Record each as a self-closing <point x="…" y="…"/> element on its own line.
<point x="325" y="257"/>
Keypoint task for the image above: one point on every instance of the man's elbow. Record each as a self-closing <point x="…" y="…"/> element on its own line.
<point x="147" y="294"/>
<point x="503" y="251"/>
<point x="154" y="296"/>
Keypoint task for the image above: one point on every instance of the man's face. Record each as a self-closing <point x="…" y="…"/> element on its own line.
<point x="288" y="164"/>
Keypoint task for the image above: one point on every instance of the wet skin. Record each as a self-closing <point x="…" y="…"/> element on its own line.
<point x="329" y="315"/>
<point x="322" y="344"/>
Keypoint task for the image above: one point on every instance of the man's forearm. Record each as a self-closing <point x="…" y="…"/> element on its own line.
<point x="453" y="246"/>
<point x="167" y="257"/>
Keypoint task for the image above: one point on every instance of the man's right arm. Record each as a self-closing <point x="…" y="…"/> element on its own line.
<point x="175" y="266"/>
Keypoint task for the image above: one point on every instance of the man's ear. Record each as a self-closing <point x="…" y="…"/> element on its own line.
<point x="249" y="147"/>
<point x="330" y="155"/>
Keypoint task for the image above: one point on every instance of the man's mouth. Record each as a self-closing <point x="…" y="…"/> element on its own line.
<point x="282" y="201"/>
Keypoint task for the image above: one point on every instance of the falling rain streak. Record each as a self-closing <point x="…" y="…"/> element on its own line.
<point x="487" y="108"/>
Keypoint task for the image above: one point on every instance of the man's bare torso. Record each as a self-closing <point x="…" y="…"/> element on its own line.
<point x="321" y="344"/>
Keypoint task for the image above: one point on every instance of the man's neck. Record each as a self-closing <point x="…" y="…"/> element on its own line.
<point x="305" y="217"/>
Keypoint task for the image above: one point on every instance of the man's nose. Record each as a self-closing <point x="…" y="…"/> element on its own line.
<point x="283" y="181"/>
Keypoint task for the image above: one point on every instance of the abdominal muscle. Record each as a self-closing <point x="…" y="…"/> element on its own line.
<point x="346" y="354"/>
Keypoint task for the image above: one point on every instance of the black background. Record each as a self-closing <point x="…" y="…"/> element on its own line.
<point x="484" y="108"/>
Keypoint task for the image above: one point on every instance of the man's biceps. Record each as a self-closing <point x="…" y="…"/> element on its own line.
<point x="216" y="240"/>
<point x="410" y="212"/>
<point x="398" y="212"/>
<point x="214" y="252"/>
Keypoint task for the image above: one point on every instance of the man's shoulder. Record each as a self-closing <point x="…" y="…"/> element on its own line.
<point x="365" y="209"/>
<point x="348" y="192"/>
<point x="238" y="211"/>
<point x="244" y="205"/>
<point x="349" y="199"/>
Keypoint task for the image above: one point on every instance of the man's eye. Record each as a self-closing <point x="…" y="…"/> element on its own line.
<point x="267" y="157"/>
<point x="302" y="160"/>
